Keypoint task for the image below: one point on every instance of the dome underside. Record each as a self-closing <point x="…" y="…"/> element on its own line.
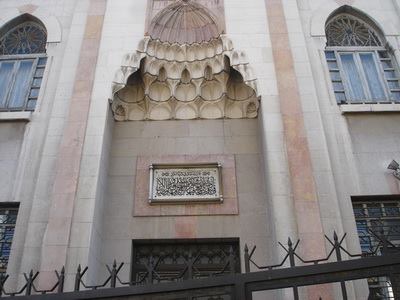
<point x="184" y="23"/>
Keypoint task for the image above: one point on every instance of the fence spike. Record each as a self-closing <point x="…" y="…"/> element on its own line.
<point x="113" y="277"/>
<point x="246" y="259"/>
<point x="77" y="279"/>
<point x="29" y="284"/>
<point x="291" y="253"/>
<point x="61" y="279"/>
<point x="335" y="237"/>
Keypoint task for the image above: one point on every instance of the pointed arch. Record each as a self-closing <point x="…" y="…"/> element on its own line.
<point x="360" y="62"/>
<point x="26" y="17"/>
<point x="23" y="42"/>
<point x="24" y="34"/>
<point x="41" y="15"/>
<point x="347" y="26"/>
<point x="326" y="9"/>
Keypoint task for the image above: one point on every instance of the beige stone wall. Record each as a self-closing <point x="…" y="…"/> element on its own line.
<point x="11" y="137"/>
<point x="375" y="142"/>
<point x="202" y="137"/>
<point x="344" y="144"/>
<point x="34" y="144"/>
<point x="348" y="153"/>
<point x="99" y="220"/>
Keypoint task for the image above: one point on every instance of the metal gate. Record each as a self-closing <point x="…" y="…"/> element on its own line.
<point x="222" y="286"/>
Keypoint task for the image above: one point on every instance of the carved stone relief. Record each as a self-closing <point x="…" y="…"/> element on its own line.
<point x="185" y="183"/>
<point x="185" y="69"/>
<point x="215" y="6"/>
<point x="165" y="205"/>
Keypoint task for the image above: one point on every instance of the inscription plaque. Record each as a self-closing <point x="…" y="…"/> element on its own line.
<point x="184" y="182"/>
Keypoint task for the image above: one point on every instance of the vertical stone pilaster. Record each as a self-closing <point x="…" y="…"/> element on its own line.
<point x="57" y="235"/>
<point x="303" y="187"/>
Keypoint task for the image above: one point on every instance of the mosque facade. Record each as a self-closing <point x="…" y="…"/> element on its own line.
<point x="131" y="129"/>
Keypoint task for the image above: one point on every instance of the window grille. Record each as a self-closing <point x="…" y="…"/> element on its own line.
<point x="361" y="68"/>
<point x="8" y="218"/>
<point x="347" y="31"/>
<point x="22" y="64"/>
<point x="26" y="38"/>
<point x="172" y="258"/>
<point x="375" y="218"/>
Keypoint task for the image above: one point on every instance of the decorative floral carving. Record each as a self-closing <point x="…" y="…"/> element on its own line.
<point x="120" y="111"/>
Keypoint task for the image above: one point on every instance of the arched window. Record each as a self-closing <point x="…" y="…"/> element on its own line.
<point x="362" y="70"/>
<point x="22" y="63"/>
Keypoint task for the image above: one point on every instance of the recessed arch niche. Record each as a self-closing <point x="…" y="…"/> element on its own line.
<point x="185" y="68"/>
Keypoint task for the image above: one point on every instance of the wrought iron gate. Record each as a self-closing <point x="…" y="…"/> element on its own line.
<point x="220" y="286"/>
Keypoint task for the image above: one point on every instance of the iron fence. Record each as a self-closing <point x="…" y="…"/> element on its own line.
<point x="292" y="272"/>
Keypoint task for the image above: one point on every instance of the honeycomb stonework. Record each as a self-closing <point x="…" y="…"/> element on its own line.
<point x="163" y="81"/>
<point x="184" y="69"/>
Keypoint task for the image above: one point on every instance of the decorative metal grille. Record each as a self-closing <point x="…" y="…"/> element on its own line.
<point x="155" y="261"/>
<point x="26" y="38"/>
<point x="374" y="219"/>
<point x="345" y="30"/>
<point x="8" y="218"/>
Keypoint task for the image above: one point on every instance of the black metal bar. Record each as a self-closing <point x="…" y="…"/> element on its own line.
<point x="256" y="281"/>
<point x="189" y="273"/>
<point x="394" y="278"/>
<point x="61" y="279"/>
<point x="246" y="259"/>
<point x="78" y="277"/>
<point x="240" y="285"/>
<point x="324" y="273"/>
<point x="28" y="279"/>
<point x="240" y="292"/>
<point x="29" y="282"/>
<point x="336" y="247"/>
<point x="113" y="279"/>
<point x="3" y="279"/>
<point x="150" y="271"/>
<point x="292" y="264"/>
<point x="231" y="261"/>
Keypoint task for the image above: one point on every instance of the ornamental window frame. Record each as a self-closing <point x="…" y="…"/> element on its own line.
<point x="376" y="215"/>
<point x="172" y="258"/>
<point x="384" y="63"/>
<point x="30" y="68"/>
<point x="6" y="238"/>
